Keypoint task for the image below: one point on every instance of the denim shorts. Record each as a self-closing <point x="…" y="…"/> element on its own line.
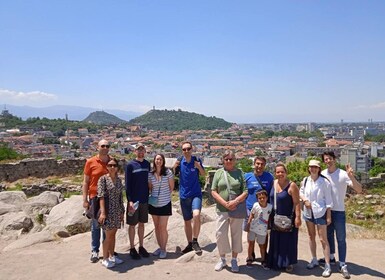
<point x="317" y="221"/>
<point x="188" y="205"/>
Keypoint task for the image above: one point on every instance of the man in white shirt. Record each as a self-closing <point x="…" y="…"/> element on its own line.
<point x="339" y="180"/>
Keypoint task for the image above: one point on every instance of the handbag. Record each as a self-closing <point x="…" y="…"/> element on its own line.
<point x="153" y="200"/>
<point x="281" y="222"/>
<point x="240" y="211"/>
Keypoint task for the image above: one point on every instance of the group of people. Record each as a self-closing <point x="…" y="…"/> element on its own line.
<point x="267" y="207"/>
<point x="102" y="186"/>
<point x="272" y="201"/>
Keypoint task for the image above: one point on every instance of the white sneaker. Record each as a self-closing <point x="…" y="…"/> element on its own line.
<point x="162" y="254"/>
<point x="108" y="264"/>
<point x="220" y="265"/>
<point x="115" y="260"/>
<point x="234" y="265"/>
<point x="94" y="257"/>
<point x="156" y="252"/>
<point x="345" y="272"/>
<point x="327" y="272"/>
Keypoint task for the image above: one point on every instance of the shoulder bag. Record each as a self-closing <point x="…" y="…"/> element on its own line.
<point x="240" y="211"/>
<point x="281" y="222"/>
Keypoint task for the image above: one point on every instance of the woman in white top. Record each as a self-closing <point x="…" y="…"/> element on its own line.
<point x="316" y="195"/>
<point x="161" y="185"/>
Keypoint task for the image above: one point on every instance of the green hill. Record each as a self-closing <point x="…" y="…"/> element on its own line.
<point x="173" y="120"/>
<point x="103" y="118"/>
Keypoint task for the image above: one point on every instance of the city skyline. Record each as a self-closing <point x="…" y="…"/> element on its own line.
<point x="254" y="62"/>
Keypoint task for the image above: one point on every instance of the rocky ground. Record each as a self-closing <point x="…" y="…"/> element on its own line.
<point x="43" y="255"/>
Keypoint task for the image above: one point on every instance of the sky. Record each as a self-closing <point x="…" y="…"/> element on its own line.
<point x="246" y="61"/>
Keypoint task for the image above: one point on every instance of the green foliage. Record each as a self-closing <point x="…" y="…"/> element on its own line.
<point x="297" y="170"/>
<point x="69" y="194"/>
<point x="245" y="164"/>
<point x="172" y="120"/>
<point x="377" y="138"/>
<point x="39" y="218"/>
<point x="57" y="126"/>
<point x="7" y="153"/>
<point x="103" y="118"/>
<point x="16" y="187"/>
<point x="378" y="166"/>
<point x="286" y="133"/>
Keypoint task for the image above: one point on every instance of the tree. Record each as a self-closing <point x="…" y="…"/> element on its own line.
<point x="245" y="164"/>
<point x="8" y="153"/>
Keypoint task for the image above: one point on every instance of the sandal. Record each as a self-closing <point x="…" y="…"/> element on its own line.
<point x="289" y="268"/>
<point x="249" y="262"/>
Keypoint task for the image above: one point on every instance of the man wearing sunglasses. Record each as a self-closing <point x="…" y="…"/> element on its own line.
<point x="190" y="194"/>
<point x="94" y="168"/>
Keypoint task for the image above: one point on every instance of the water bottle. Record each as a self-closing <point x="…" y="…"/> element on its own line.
<point x="135" y="206"/>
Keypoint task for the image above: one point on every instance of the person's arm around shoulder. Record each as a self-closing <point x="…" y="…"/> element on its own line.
<point x="355" y="184"/>
<point x="294" y="192"/>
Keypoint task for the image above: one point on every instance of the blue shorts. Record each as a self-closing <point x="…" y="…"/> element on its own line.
<point x="188" y="205"/>
<point x="319" y="221"/>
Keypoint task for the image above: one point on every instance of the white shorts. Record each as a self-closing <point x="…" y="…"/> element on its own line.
<point x="261" y="239"/>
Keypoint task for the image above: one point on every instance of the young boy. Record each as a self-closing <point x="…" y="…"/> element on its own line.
<point x="257" y="226"/>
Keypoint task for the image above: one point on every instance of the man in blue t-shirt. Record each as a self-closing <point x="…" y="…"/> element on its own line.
<point x="255" y="181"/>
<point x="136" y="180"/>
<point x="190" y="194"/>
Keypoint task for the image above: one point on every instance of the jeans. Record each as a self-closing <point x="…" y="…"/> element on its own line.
<point x="338" y="225"/>
<point x="95" y="235"/>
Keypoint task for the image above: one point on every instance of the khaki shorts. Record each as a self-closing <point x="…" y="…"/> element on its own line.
<point x="260" y="239"/>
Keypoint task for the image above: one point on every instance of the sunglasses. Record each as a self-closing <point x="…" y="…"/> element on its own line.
<point x="105" y="146"/>
<point x="186" y="149"/>
<point x="112" y="165"/>
<point x="229" y="159"/>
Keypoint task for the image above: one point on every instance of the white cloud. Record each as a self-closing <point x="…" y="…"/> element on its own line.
<point x="26" y="98"/>
<point x="380" y="105"/>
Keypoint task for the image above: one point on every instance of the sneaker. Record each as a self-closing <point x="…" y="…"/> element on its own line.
<point x="143" y="252"/>
<point x="313" y="263"/>
<point x="156" y="252"/>
<point x="327" y="272"/>
<point x="345" y="272"/>
<point x="332" y="261"/>
<point x="249" y="263"/>
<point x="162" y="254"/>
<point x="197" y="248"/>
<point x="264" y="266"/>
<point x="234" y="265"/>
<point x="134" y="254"/>
<point x="108" y="264"/>
<point x="94" y="257"/>
<point x="115" y="260"/>
<point x="220" y="265"/>
<point x="188" y="248"/>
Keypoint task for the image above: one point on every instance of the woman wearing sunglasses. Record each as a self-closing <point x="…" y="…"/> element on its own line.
<point x="110" y="195"/>
<point x="229" y="190"/>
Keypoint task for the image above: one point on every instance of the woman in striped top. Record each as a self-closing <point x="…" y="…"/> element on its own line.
<point x="161" y="184"/>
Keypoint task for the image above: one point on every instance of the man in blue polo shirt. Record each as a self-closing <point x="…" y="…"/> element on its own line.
<point x="190" y="194"/>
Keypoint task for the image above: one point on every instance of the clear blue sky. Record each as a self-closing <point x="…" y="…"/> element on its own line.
<point x="244" y="61"/>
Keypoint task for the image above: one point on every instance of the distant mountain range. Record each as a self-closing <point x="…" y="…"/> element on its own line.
<point x="74" y="113"/>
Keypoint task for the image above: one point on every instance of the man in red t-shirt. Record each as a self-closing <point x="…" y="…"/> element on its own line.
<point x="94" y="168"/>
